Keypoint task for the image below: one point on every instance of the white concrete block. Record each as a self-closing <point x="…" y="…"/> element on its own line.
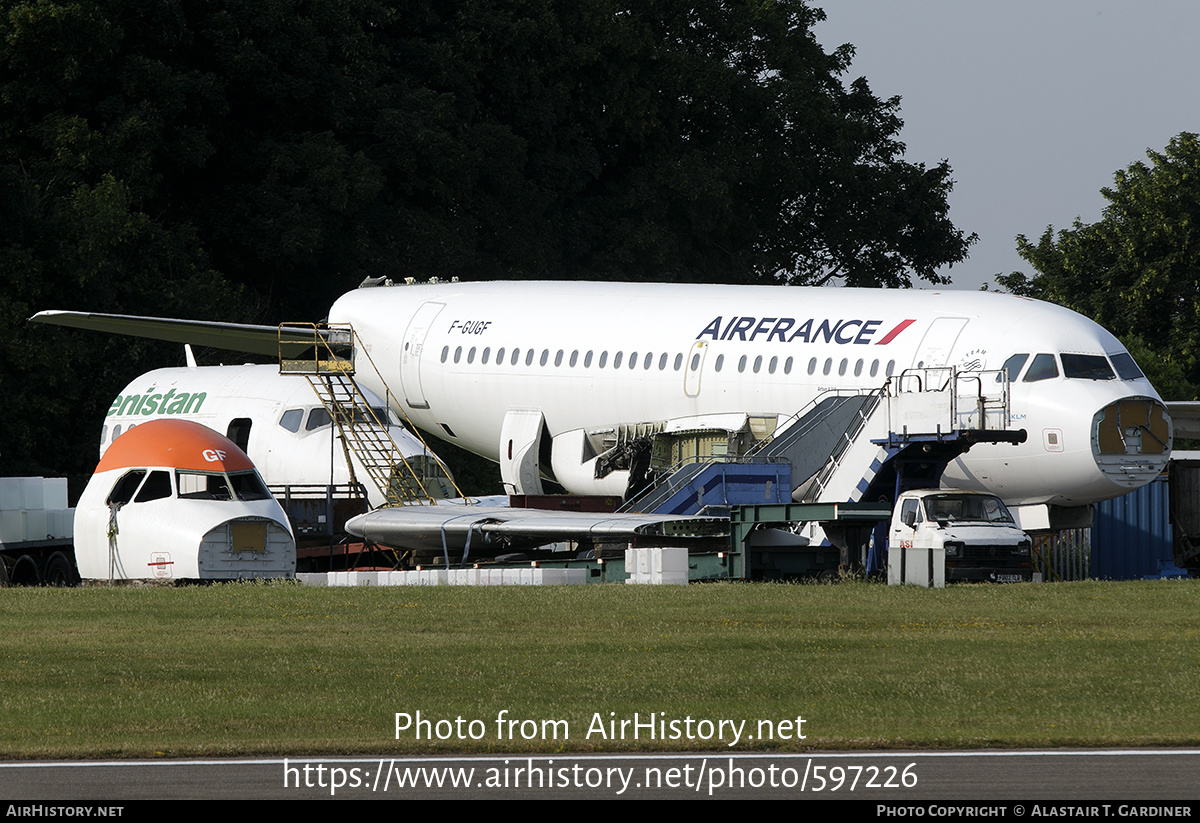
<point x="36" y="525"/>
<point x="12" y="526"/>
<point x="55" y="492"/>
<point x="32" y="493"/>
<point x="11" y="495"/>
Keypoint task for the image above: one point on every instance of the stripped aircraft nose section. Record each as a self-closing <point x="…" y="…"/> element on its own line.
<point x="1131" y="440"/>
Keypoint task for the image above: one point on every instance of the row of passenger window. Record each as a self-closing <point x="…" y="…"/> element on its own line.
<point x="514" y="357"/>
<point x="1074" y="366"/>
<point x="647" y="361"/>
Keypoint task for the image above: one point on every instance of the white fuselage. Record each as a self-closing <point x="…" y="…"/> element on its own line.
<point x="462" y="356"/>
<point x="278" y="419"/>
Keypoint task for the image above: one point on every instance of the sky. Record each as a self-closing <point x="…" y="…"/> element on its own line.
<point x="1034" y="103"/>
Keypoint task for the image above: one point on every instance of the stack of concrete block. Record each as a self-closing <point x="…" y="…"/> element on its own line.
<point x="528" y="576"/>
<point x="34" y="508"/>
<point x="657" y="567"/>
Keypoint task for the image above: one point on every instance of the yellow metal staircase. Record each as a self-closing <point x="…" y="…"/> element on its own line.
<point x="329" y="368"/>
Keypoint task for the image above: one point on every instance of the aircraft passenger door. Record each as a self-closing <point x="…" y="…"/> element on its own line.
<point x="521" y="438"/>
<point x="693" y="368"/>
<point x="410" y="354"/>
<point x="935" y="347"/>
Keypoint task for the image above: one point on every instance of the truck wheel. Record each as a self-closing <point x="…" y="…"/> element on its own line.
<point x="60" y="571"/>
<point x="25" y="572"/>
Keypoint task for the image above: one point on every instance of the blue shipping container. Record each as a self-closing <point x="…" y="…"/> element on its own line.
<point x="1131" y="535"/>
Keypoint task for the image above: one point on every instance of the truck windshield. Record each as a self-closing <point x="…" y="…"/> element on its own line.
<point x="977" y="507"/>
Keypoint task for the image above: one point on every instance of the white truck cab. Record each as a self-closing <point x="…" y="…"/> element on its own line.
<point x="973" y="531"/>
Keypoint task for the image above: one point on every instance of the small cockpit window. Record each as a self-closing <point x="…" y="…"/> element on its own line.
<point x="291" y="420"/>
<point x="1043" y="367"/>
<point x="318" y="419"/>
<point x="1087" y="367"/>
<point x="247" y="485"/>
<point x="126" y="486"/>
<point x="1126" y="368"/>
<point x="1013" y="367"/>
<point x="156" y="487"/>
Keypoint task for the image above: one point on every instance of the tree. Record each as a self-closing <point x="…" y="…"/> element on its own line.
<point x="1136" y="271"/>
<point x="254" y="160"/>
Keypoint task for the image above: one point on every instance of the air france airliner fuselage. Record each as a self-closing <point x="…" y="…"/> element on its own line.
<point x="464" y="358"/>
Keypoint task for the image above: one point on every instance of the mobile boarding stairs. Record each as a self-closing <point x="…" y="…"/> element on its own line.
<point x="857" y="447"/>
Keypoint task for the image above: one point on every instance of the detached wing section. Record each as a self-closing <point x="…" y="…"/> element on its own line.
<point x="241" y="337"/>
<point x="1185" y="414"/>
<point x="425" y="527"/>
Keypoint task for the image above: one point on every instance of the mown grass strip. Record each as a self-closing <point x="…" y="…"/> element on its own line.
<point x="285" y="669"/>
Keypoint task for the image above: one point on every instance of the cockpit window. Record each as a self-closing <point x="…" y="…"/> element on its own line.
<point x="156" y="487"/>
<point x="1126" y="368"/>
<point x="1043" y="367"/>
<point x="291" y="420"/>
<point x="126" y="486"/>
<point x="248" y="486"/>
<point x="202" y="486"/>
<point x="243" y="485"/>
<point x="1013" y="366"/>
<point x="318" y="419"/>
<point x="1087" y="367"/>
<point x="377" y="413"/>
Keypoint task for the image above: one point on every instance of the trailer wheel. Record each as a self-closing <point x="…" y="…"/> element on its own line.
<point x="4" y="579"/>
<point x="60" y="571"/>
<point x="829" y="577"/>
<point x="25" y="572"/>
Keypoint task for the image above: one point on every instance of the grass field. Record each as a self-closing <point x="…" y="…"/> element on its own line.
<point x="285" y="669"/>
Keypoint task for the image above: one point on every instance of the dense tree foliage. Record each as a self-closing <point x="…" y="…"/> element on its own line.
<point x="1136" y="271"/>
<point x="218" y="158"/>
